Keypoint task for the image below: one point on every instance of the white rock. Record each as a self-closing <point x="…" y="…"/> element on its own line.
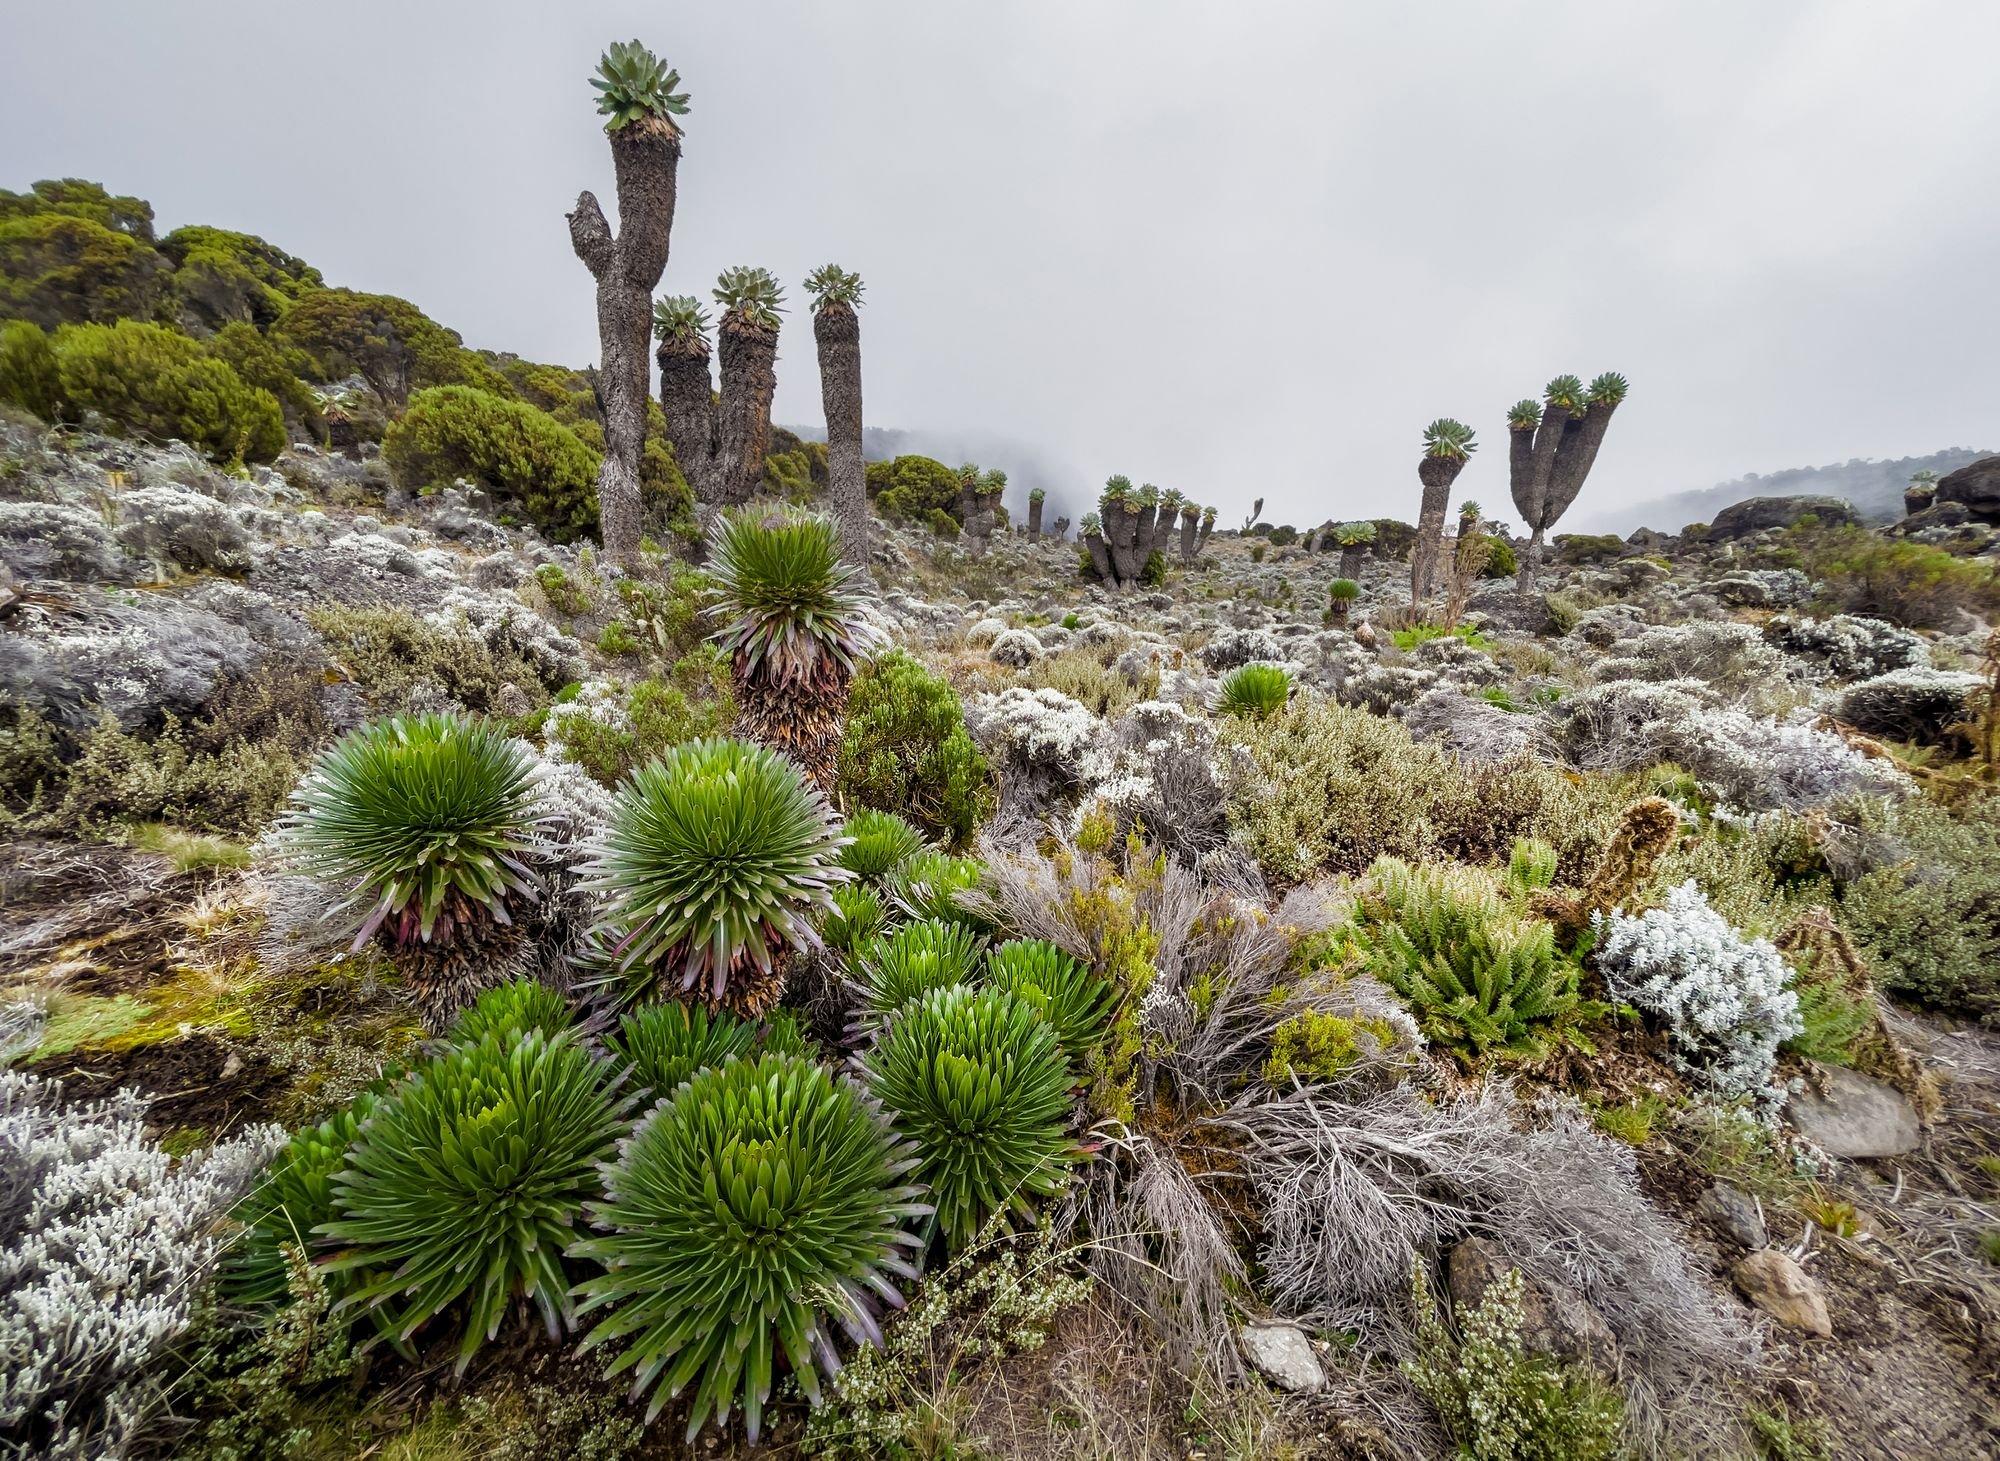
<point x="1283" y="1355"/>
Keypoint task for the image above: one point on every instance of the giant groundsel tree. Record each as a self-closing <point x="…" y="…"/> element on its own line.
<point x="636" y="92"/>
<point x="1550" y="451"/>
<point x="721" y="444"/>
<point x="836" y="295"/>
<point x="1448" y="444"/>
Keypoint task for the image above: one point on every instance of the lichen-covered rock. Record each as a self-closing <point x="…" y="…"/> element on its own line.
<point x="1234" y="648"/>
<point x="1754" y="514"/>
<point x="985" y="632"/>
<point x="1847" y="646"/>
<point x="1774" y="1282"/>
<point x="1762" y="588"/>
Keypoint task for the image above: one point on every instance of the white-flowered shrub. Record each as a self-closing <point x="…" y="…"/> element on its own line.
<point x="1722" y="998"/>
<point x="1234" y="648"/>
<point x="1846" y="646"/>
<point x="505" y="625"/>
<point x="1915" y="704"/>
<point x="105" y="1241"/>
<point x="173" y="527"/>
<point x="1173" y="777"/>
<point x="1016" y="648"/>
<point x="1475" y="729"/>
<point x="1731" y="659"/>
<point x="1046" y="747"/>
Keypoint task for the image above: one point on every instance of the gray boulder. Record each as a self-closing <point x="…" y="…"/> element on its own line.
<point x="1976" y="485"/>
<point x="1755" y="514"/>
<point x="1847" y="1114"/>
<point x="1735" y="1215"/>
<point x="1774" y="1282"/>
<point x="1282" y="1354"/>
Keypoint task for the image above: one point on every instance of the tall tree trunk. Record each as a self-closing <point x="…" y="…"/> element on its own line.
<point x="1100" y="557"/>
<point x="1034" y="517"/>
<point x="1143" y="535"/>
<point x="645" y="159"/>
<point x="687" y="400"/>
<point x="1575" y="454"/>
<point x="1527" y="502"/>
<point x="1121" y="524"/>
<point x="1437" y="474"/>
<point x="1207" y="527"/>
<point x="837" y="333"/>
<point x="749" y="380"/>
<point x="1351" y="555"/>
<point x="1526" y="581"/>
<point x="1190" y="520"/>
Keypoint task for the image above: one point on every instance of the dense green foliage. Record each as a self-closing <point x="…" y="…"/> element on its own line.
<point x="881" y="840"/>
<point x="513" y="1009"/>
<point x="523" y="454"/>
<point x="28" y="376"/>
<point x="669" y="1041"/>
<point x="1479" y="977"/>
<point x="430" y="822"/>
<point x="58" y="269"/>
<point x="978" y="1080"/>
<point x="920" y="956"/>
<point x="145" y="380"/>
<point x="1905" y="582"/>
<point x="1074" y="1001"/>
<point x="913" y="487"/>
<point x="1929" y="920"/>
<point x="469" y="1182"/>
<point x="906" y="750"/>
<point x="762" y="1201"/>
<point x="717" y="854"/>
<point x="294" y="1198"/>
<point x="222" y="277"/>
<point x="791" y="612"/>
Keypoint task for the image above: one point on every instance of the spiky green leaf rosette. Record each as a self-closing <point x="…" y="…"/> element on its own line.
<point x="831" y="284"/>
<point x="750" y="296"/>
<point x="1565" y="391"/>
<point x="1345" y="589"/>
<point x="1608" y="389"/>
<point x="716" y="860"/>
<point x="856" y="918"/>
<point x="880" y="841"/>
<point x="789" y="609"/>
<point x="668" y="1042"/>
<point x="632" y="83"/>
<point x="917" y="958"/>
<point x="1090" y="523"/>
<point x="431" y="819"/>
<point x="469" y="1181"/>
<point x="1445" y="437"/>
<point x="760" y="1204"/>
<point x="1353" y="534"/>
<point x="526" y="1004"/>
<point x="977" y="1078"/>
<point x="1255" y="692"/>
<point x="929" y="885"/>
<point x="1074" y="1001"/>
<point x="679" y="318"/>
<point x="294" y="1197"/>
<point x="1524" y="415"/>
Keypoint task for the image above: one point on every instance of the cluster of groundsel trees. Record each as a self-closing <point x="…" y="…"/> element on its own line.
<point x="720" y="444"/>
<point x="698" y="1192"/>
<point x="1132" y="524"/>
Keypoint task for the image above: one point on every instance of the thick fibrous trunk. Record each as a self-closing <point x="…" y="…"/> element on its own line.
<point x="1100" y="556"/>
<point x="1143" y="534"/>
<point x="749" y="380"/>
<point x="1437" y="474"/>
<point x="837" y="333"/>
<point x="645" y="157"/>
<point x="803" y="721"/>
<point x="1575" y="454"/>
<point x="1034" y="517"/>
<point x="1121" y="528"/>
<point x="687" y="400"/>
<point x="1350" y="560"/>
<point x="1190" y="521"/>
<point x="1207" y="527"/>
<point x="1531" y="563"/>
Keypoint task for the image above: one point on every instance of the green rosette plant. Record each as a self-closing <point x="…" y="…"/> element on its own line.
<point x="978" y="1080"/>
<point x="668" y="1042"/>
<point x="927" y="954"/>
<point x="433" y="821"/>
<point x="929" y="885"/>
<point x="294" y="1198"/>
<point x="633" y="84"/>
<point x="717" y="859"/>
<point x="1255" y="692"/>
<point x="526" y="1004"/>
<point x="879" y="840"/>
<point x="468" y="1183"/>
<point x="857" y="916"/>
<point x="1074" y="1001"/>
<point x="760" y="1206"/>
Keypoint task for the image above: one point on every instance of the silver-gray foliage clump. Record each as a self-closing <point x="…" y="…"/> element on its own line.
<point x="105" y="1242"/>
<point x="1916" y="703"/>
<point x="1723" y="998"/>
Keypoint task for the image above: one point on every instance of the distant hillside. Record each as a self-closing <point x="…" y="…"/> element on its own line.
<point x="1874" y="487"/>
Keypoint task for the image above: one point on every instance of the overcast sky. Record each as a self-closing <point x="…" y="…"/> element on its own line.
<point x="1244" y="250"/>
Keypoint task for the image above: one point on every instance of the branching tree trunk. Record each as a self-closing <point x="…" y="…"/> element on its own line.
<point x="645" y="157"/>
<point x="837" y="333"/>
<point x="1121" y="525"/>
<point x="1100" y="555"/>
<point x="1550" y="453"/>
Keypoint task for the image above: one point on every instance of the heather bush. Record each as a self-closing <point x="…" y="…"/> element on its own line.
<point x="1049" y="748"/>
<point x="1081" y="673"/>
<point x="1732" y="659"/>
<point x="1918" y="704"/>
<point x="151" y="382"/>
<point x="1905" y="582"/>
<point x="532" y="461"/>
<point x="28" y="376"/>
<point x="1844" y="647"/>
<point x="611" y="730"/>
<point x="1725" y="1001"/>
<point x="906" y="750"/>
<point x="1927" y="913"/>
<point x="395" y="657"/>
<point x="757" y="1207"/>
<point x="107" y="1240"/>
<point x="60" y="268"/>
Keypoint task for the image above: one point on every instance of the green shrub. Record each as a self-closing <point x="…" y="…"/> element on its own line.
<point x="28" y="376"/>
<point x="1408" y="639"/>
<point x="148" y="381"/>
<point x="1501" y="561"/>
<point x="1315" y="1046"/>
<point x="508" y="1010"/>
<point x="288" y="1205"/>
<point x="1580" y="548"/>
<point x="388" y="652"/>
<point x="387" y="341"/>
<point x="265" y="367"/>
<point x="981" y="1084"/>
<point x="914" y="487"/>
<point x="716" y="856"/>
<point x="523" y="454"/>
<point x="668" y="1042"/>
<point x="1393" y="539"/>
<point x="1255" y="692"/>
<point x="81" y="198"/>
<point x="1074" y="1001"/>
<point x="1082" y="674"/>
<point x="59" y="269"/>
<point x="881" y="840"/>
<point x="1153" y="572"/>
<point x="918" y="957"/>
<point x="658" y="716"/>
<point x="1909" y="583"/>
<point x="906" y="750"/>
<point x="221" y="277"/>
<point x="1478" y="977"/>
<point x="1929" y="922"/>
<point x="469" y="1181"/>
<point x="1499" y="1401"/>
<point x="430" y="822"/>
<point x="754" y="1211"/>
